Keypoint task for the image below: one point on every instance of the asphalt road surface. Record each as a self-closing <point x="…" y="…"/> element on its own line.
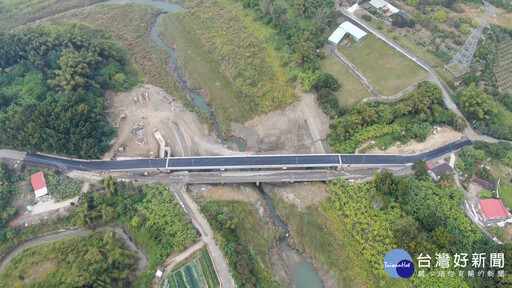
<point x="245" y="162"/>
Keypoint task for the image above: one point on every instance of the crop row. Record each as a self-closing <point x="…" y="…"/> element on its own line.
<point x="207" y="269"/>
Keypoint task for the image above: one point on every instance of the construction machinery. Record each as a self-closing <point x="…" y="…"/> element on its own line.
<point x="122" y="117"/>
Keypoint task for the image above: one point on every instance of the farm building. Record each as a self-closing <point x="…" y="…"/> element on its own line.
<point x="378" y="3"/>
<point x="38" y="184"/>
<point x="438" y="169"/>
<point x="493" y="209"/>
<point x="487" y="185"/>
<point x="344" y="28"/>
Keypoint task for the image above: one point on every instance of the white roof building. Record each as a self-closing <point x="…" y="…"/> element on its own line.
<point x="337" y="35"/>
<point x="344" y="28"/>
<point x="378" y="3"/>
<point x="353" y="30"/>
<point x="392" y="9"/>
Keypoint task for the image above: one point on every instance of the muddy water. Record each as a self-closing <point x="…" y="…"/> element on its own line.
<point x="197" y="99"/>
<point x="303" y="273"/>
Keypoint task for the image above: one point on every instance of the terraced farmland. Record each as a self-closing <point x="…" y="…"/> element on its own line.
<point x="503" y="66"/>
<point x="197" y="273"/>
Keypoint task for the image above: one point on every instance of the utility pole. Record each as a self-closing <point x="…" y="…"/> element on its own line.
<point x="461" y="62"/>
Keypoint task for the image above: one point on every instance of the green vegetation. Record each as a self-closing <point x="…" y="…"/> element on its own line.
<point x="235" y="52"/>
<point x="351" y="90"/>
<point x="311" y="234"/>
<point x="410" y="118"/>
<point x="245" y="241"/>
<point x="62" y="187"/>
<point x="155" y="219"/>
<point x="51" y="79"/>
<point x="392" y="212"/>
<point x="8" y="191"/>
<point x="485" y="113"/>
<point x="14" y="13"/>
<point x="95" y="260"/>
<point x="388" y="71"/>
<point x="133" y="33"/>
<point x="198" y="272"/>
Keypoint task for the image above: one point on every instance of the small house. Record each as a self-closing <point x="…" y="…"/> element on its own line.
<point x="486" y="184"/>
<point x="493" y="209"/>
<point x="38" y="184"/>
<point x="438" y="169"/>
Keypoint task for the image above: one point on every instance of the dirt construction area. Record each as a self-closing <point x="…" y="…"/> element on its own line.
<point x="439" y="137"/>
<point x="140" y="113"/>
<point x="287" y="131"/>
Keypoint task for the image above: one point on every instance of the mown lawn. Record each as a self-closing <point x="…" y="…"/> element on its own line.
<point x="388" y="71"/>
<point x="351" y="91"/>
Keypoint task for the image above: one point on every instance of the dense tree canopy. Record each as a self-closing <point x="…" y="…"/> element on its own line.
<point x="410" y="118"/>
<point x="51" y="78"/>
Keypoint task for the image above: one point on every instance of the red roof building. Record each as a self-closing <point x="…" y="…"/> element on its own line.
<point x="493" y="209"/>
<point x="38" y="184"/>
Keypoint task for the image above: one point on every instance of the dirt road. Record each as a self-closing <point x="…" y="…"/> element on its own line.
<point x="207" y="236"/>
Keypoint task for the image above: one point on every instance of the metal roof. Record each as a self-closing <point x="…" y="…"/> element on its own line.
<point x="337" y="35"/>
<point x="493" y="208"/>
<point x="378" y="3"/>
<point x="38" y="184"/>
<point x="353" y="30"/>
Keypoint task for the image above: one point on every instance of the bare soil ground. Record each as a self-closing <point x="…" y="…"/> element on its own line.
<point x="286" y="130"/>
<point x="301" y="195"/>
<point x="442" y="137"/>
<point x="157" y="115"/>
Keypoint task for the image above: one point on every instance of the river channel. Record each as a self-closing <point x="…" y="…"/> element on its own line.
<point x="197" y="99"/>
<point x="302" y="272"/>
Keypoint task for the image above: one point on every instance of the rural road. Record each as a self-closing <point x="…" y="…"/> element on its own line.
<point x="207" y="236"/>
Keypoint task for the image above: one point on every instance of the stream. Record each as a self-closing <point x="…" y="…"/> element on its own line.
<point x="303" y="273"/>
<point x="197" y="99"/>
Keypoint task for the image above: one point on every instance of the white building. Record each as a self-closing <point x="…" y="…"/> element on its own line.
<point x="343" y="29"/>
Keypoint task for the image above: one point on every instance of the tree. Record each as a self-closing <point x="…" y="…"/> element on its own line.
<point x="305" y="48"/>
<point x="476" y="104"/>
<point x="420" y="169"/>
<point x="326" y="80"/>
<point x="464" y="28"/>
<point x="441" y="238"/>
<point x="440" y="16"/>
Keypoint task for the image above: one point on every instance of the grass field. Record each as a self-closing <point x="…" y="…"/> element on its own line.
<point x="351" y="91"/>
<point x="229" y="59"/>
<point x="18" y="12"/>
<point x="388" y="71"/>
<point x="197" y="273"/>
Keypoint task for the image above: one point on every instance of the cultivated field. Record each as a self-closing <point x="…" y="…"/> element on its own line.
<point x="503" y="67"/>
<point x="388" y="71"/>
<point x="197" y="273"/>
<point x="351" y="90"/>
